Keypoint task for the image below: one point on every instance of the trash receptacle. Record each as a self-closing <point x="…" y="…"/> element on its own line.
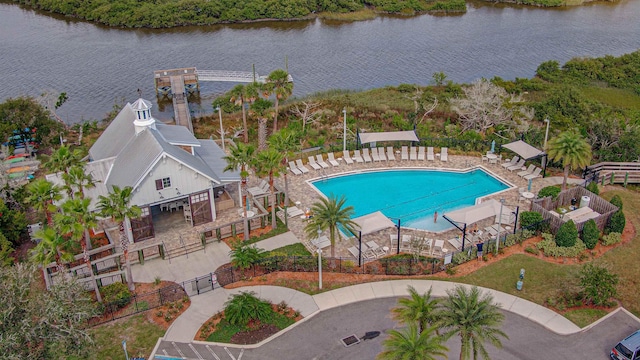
<point x="519" y="285"/>
<point x="584" y="201"/>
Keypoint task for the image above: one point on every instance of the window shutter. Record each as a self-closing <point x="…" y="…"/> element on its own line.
<point x="159" y="184"/>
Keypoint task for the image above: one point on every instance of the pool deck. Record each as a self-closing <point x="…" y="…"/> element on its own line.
<point x="300" y="191"/>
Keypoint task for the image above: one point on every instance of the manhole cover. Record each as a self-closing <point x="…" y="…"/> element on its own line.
<point x="350" y="340"/>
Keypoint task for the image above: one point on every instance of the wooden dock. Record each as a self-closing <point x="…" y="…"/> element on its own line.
<point x="178" y="83"/>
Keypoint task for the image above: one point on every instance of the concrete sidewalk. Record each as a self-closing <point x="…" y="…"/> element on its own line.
<point x="200" y="263"/>
<point x="204" y="306"/>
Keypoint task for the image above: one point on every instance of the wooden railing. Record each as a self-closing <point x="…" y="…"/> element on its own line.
<point x="613" y="173"/>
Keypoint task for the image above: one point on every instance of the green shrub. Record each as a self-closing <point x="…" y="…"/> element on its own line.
<point x="611" y="238"/>
<point x="590" y="234"/>
<point x="246" y="306"/>
<point x="617" y="222"/>
<point x="550" y="248"/>
<point x="552" y="191"/>
<point x="518" y="237"/>
<point x="567" y="234"/>
<point x="598" y="284"/>
<point x="617" y="201"/>
<point x="529" y="218"/>
<point x="116" y="294"/>
<point x="463" y="256"/>
<point x="593" y="187"/>
<point x="531" y="250"/>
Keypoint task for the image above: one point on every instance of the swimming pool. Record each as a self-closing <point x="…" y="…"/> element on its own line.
<point x="412" y="195"/>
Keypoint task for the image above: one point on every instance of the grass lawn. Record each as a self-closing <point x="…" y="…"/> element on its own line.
<point x="584" y="317"/>
<point x="542" y="280"/>
<point x="545" y="280"/>
<point x="619" y="98"/>
<point x="623" y="260"/>
<point x="296" y="249"/>
<point x="141" y="336"/>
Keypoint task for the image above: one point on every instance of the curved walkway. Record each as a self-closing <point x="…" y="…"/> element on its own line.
<point x="204" y="306"/>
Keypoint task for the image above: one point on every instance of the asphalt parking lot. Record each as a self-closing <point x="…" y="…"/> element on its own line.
<point x="319" y="338"/>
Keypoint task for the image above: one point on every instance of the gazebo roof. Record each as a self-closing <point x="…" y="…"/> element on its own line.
<point x="523" y="149"/>
<point x="472" y="214"/>
<point x="373" y="222"/>
<point x="388" y="136"/>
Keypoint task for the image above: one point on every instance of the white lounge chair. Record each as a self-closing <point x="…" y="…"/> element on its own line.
<point x="346" y="157"/>
<point x="390" y="154"/>
<point x="320" y="161"/>
<point x="261" y="189"/>
<point x="294" y="169"/>
<point x="375" y="248"/>
<point x="511" y="162"/>
<point x="332" y="160"/>
<point x="374" y="154"/>
<point x="301" y="166"/>
<point x="517" y="166"/>
<point x="405" y="153"/>
<point x="381" y="154"/>
<point x="357" y="156"/>
<point x="312" y="163"/>
<point x="413" y="154"/>
<point x="534" y="174"/>
<point x="437" y="247"/>
<point x="444" y="154"/>
<point x="365" y="155"/>
<point x="528" y="171"/>
<point x="430" y="155"/>
<point x="421" y="155"/>
<point x="294" y="211"/>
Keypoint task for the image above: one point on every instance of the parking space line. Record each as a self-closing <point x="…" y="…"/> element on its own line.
<point x="229" y="352"/>
<point x="212" y="353"/>
<point x="196" y="351"/>
<point x="178" y="350"/>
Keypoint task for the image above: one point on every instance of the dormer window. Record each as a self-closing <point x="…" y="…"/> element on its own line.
<point x="163" y="183"/>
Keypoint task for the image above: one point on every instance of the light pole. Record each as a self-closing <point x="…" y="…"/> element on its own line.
<point x="221" y="128"/>
<point x="344" y="131"/>
<point x="319" y="262"/>
<point x="546" y="134"/>
<point x="499" y="226"/>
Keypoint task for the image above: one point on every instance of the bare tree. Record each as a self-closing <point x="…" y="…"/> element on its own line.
<point x="307" y="114"/>
<point x="486" y="105"/>
<point x="419" y="105"/>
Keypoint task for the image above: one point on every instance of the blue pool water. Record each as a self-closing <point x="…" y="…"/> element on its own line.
<point x="412" y="195"/>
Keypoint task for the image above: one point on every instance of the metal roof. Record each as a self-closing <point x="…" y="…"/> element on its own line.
<point x="177" y="135"/>
<point x="136" y="160"/>
<point x="212" y="155"/>
<point x="116" y="136"/>
<point x="188" y="160"/>
<point x="141" y="104"/>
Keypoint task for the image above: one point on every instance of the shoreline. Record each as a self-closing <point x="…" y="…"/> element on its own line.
<point x="451" y="7"/>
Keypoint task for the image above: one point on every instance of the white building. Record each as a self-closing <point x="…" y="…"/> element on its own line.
<point x="167" y="167"/>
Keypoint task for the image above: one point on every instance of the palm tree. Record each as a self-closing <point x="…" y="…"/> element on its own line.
<point x="285" y="142"/>
<point x="261" y="108"/>
<point x="63" y="159"/>
<point x="269" y="162"/>
<point x="77" y="179"/>
<point x="475" y="318"/>
<point x="570" y="148"/>
<point x="117" y="206"/>
<point x="420" y="309"/>
<point x="241" y="157"/>
<point x="330" y="213"/>
<point x="52" y="247"/>
<point x="240" y="95"/>
<point x="76" y="219"/>
<point x="41" y="195"/>
<point x="411" y="344"/>
<point x="278" y="84"/>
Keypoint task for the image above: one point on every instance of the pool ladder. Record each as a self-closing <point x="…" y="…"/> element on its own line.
<point x="323" y="175"/>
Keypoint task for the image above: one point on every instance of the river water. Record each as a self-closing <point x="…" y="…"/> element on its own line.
<point x="98" y="66"/>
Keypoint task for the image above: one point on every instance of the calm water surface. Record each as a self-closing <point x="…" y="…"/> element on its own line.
<point x="97" y="65"/>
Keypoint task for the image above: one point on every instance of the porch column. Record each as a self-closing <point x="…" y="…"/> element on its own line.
<point x="129" y="232"/>
<point x="240" y="195"/>
<point x="212" y="203"/>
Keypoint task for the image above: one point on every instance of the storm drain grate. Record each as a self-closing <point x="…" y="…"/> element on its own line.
<point x="350" y="340"/>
